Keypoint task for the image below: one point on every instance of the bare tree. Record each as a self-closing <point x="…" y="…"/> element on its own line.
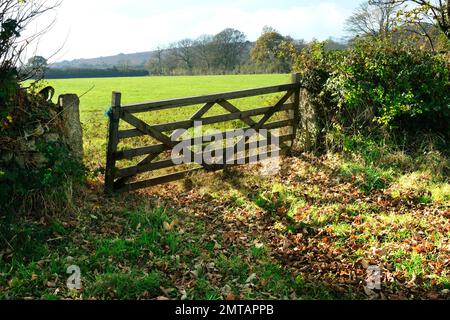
<point x="183" y="50"/>
<point x="158" y="56"/>
<point x="156" y="64"/>
<point x="418" y="12"/>
<point x="205" y="51"/>
<point x="229" y="45"/>
<point x="373" y="18"/>
<point x="15" y="16"/>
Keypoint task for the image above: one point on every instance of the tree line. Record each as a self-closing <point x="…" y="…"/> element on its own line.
<point x="38" y="68"/>
<point x="228" y="52"/>
<point x="94" y="73"/>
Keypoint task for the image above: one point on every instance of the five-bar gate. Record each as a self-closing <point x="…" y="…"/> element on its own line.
<point x="118" y="179"/>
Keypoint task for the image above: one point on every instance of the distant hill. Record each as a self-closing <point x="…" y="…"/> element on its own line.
<point x="133" y="60"/>
<point x="136" y="60"/>
<point x="171" y="65"/>
<point x="139" y="60"/>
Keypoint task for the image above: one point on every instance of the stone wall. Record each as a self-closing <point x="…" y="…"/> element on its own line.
<point x="63" y="125"/>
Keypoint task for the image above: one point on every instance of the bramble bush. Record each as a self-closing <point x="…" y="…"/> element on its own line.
<point x="378" y="84"/>
<point x="36" y="173"/>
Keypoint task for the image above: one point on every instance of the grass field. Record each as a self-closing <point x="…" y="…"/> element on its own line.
<point x="96" y="98"/>
<point x="140" y="89"/>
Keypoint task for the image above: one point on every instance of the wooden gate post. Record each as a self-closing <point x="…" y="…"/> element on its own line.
<point x="113" y="141"/>
<point x="295" y="113"/>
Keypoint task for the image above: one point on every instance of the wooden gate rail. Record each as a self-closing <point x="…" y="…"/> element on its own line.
<point x="116" y="180"/>
<point x="182" y="102"/>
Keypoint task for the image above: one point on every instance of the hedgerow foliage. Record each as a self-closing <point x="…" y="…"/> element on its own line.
<point x="37" y="169"/>
<point x="378" y="84"/>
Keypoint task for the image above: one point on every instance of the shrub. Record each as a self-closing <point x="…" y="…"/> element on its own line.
<point x="37" y="169"/>
<point x="378" y="84"/>
<point x="45" y="189"/>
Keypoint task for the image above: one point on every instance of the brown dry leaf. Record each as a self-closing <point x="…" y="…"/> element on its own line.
<point x="34" y="277"/>
<point x="251" y="278"/>
<point x="217" y="246"/>
<point x="40" y="263"/>
<point x="184" y="295"/>
<point x="169" y="226"/>
<point x="264" y="282"/>
<point x="230" y="297"/>
<point x="166" y="291"/>
<point x="229" y="236"/>
<point x="418" y="249"/>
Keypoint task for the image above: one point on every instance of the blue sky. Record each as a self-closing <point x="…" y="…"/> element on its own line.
<point x="92" y="28"/>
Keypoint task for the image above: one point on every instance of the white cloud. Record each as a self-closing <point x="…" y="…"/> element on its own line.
<point x="99" y="28"/>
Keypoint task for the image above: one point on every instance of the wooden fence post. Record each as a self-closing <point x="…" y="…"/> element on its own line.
<point x="113" y="141"/>
<point x="295" y="113"/>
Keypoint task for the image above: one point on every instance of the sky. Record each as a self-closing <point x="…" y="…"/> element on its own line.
<point x="94" y="28"/>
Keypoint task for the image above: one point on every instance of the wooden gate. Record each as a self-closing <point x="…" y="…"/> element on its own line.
<point x="118" y="179"/>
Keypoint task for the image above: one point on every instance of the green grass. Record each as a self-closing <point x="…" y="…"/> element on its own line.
<point x="139" y="89"/>
<point x="137" y="248"/>
<point x="368" y="178"/>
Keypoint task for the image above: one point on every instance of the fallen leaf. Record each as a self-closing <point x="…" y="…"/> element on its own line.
<point x="162" y="298"/>
<point x="183" y="294"/>
<point x="166" y="291"/>
<point x="167" y="226"/>
<point x="230" y="297"/>
<point x="251" y="278"/>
